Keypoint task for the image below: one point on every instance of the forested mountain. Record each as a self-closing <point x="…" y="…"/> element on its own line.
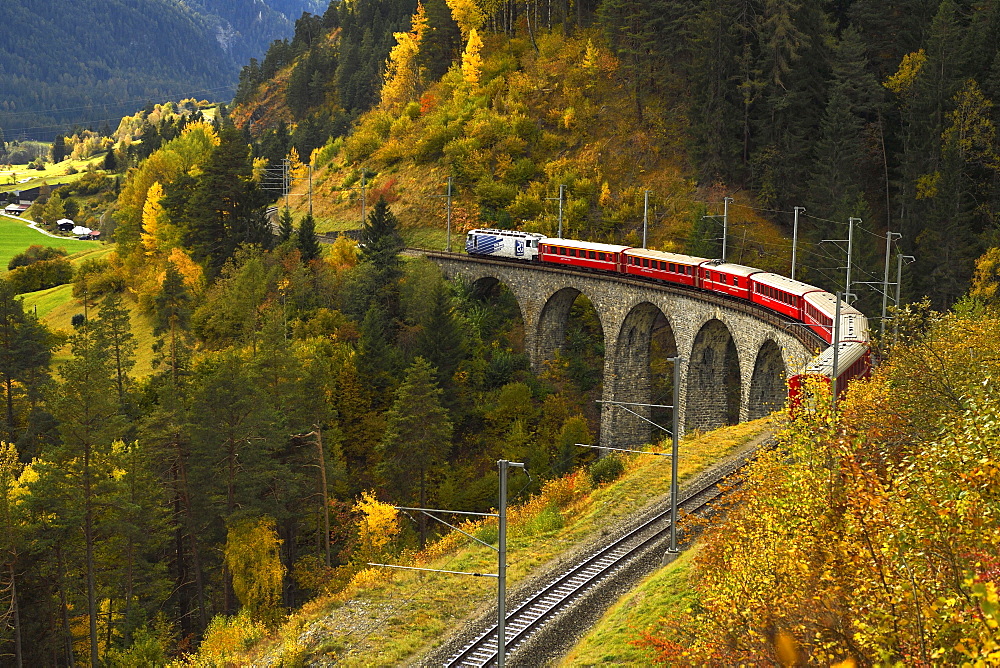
<point x="881" y="111"/>
<point x="291" y="392"/>
<point x="89" y="62"/>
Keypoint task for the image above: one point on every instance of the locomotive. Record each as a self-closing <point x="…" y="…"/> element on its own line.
<point x="808" y="305"/>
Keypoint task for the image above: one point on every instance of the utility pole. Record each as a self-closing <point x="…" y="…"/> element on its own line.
<point x="725" y="224"/>
<point x="645" y="217"/>
<point x="449" y="214"/>
<point x="850" y="251"/>
<point x="502" y="564"/>
<point x="899" y="281"/>
<point x="447" y="197"/>
<point x="836" y="353"/>
<point x="310" y="189"/>
<point x="364" y="173"/>
<point x="885" y="278"/>
<point x="560" y="198"/>
<point x="675" y="434"/>
<point x="795" y="236"/>
<point x="501" y="550"/>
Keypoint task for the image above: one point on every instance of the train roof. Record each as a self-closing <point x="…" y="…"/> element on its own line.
<point x="585" y="245"/>
<point x="676" y="258"/>
<point x="731" y="269"/>
<point x="826" y="303"/>
<point x="849" y="353"/>
<point x="789" y="285"/>
<point x="507" y="233"/>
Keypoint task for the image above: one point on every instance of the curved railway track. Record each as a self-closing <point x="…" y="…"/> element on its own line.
<point x="805" y="335"/>
<point x="565" y="589"/>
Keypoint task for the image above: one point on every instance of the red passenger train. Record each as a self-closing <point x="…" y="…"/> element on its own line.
<point x="806" y="304"/>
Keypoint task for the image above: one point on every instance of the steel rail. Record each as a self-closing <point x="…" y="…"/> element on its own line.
<point x="529" y="616"/>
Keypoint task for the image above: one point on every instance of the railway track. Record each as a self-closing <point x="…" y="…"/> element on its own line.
<point x="527" y="618"/>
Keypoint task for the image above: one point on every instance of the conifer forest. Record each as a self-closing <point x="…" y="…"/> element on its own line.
<point x="205" y="425"/>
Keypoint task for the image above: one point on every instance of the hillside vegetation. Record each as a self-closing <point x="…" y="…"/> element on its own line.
<point x="869" y="537"/>
<point x="236" y="491"/>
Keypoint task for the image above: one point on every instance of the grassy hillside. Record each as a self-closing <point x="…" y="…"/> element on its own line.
<point x="12" y="177"/>
<point x="56" y="308"/>
<point x="414" y="612"/>
<point x="612" y="641"/>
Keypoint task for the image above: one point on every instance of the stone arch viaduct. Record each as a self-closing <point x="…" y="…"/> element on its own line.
<point x="716" y="337"/>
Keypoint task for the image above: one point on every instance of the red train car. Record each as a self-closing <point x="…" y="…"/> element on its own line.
<point x="606" y="257"/>
<point x="729" y="279"/>
<point x="670" y="267"/>
<point x="853" y="362"/>
<point x="781" y="294"/>
<point x="818" y="311"/>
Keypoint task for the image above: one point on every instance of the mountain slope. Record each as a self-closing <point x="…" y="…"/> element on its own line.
<point x="91" y="61"/>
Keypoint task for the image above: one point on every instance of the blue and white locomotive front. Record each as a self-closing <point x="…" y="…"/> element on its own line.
<point x="503" y="243"/>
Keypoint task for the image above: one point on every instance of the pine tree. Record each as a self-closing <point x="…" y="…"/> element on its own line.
<point x="441" y="340"/>
<point x="25" y="351"/>
<point x="417" y="438"/>
<point x="113" y="329"/>
<point x="309" y="247"/>
<point x="89" y="422"/>
<point x="286" y="230"/>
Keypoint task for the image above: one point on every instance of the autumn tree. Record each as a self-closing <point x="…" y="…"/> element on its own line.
<point x="252" y="555"/>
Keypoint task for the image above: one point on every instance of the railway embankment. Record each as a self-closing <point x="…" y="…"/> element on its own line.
<point x="644" y="540"/>
<point x="421" y="619"/>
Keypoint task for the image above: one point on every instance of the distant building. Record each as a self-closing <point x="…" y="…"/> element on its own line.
<point x="65" y="225"/>
<point x="15" y="209"/>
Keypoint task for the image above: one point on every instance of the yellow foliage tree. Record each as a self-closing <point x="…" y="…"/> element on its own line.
<point x="190" y="271"/>
<point x="158" y="234"/>
<point x="379" y="525"/>
<point x="403" y="74"/>
<point x="871" y="534"/>
<point x="472" y="61"/>
<point x="253" y="558"/>
<point x="467" y="14"/>
<point x="344" y="253"/>
<point x="986" y="282"/>
<point x="901" y="82"/>
<point x="296" y="168"/>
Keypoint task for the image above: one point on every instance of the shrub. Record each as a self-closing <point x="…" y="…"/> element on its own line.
<point x="550" y="519"/>
<point x="606" y="469"/>
<point x="41" y="275"/>
<point x="432" y="146"/>
<point x="96" y="278"/>
<point x="34" y="253"/>
<point x="494" y="195"/>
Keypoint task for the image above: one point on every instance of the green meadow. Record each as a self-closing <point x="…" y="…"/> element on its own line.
<point x="16" y="236"/>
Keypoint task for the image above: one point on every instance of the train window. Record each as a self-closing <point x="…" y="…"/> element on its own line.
<point x="672" y="267"/>
<point x="592" y="255"/>
<point x="736" y="281"/>
<point x="645" y="261"/>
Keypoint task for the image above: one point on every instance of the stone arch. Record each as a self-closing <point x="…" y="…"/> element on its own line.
<point x="768" y="383"/>
<point x="629" y="376"/>
<point x="551" y="333"/>
<point x="714" y="387"/>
